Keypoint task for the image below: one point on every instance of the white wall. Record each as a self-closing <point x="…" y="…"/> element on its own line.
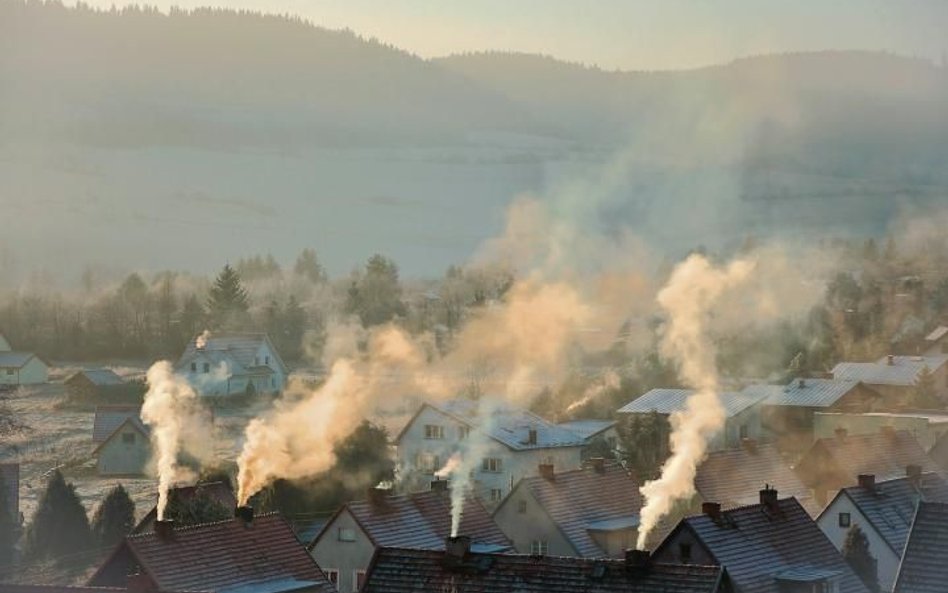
<point x="887" y="560"/>
<point x="533" y="524"/>
<point x="34" y="372"/>
<point x="346" y="557"/>
<point x="116" y="457"/>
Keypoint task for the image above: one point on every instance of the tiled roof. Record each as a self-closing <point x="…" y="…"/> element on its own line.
<point x="4" y="588"/>
<point x="667" y="401"/>
<point x="218" y="491"/>
<point x="510" y="425"/>
<point x="239" y="347"/>
<point x="938" y="333"/>
<point x="575" y="500"/>
<point x="882" y="454"/>
<point x="220" y="557"/>
<point x="99" y="377"/>
<point x="14" y="360"/>
<point x="813" y="393"/>
<point x="395" y="570"/>
<point x="133" y="421"/>
<point x="756" y="545"/>
<point x="924" y="566"/>
<point x="903" y="370"/>
<point x="587" y="428"/>
<point x="421" y="520"/>
<point x="10" y="474"/>
<point x="734" y="477"/>
<point x="109" y="418"/>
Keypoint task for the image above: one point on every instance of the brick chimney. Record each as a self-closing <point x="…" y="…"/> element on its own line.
<point x="888" y="432"/>
<point x="867" y="482"/>
<point x="164" y="528"/>
<point x="890" y="359"/>
<point x="546" y="472"/>
<point x="244" y="513"/>
<point x="378" y="497"/>
<point x="712" y="510"/>
<point x="768" y="498"/>
<point x="750" y="445"/>
<point x="801" y="383"/>
<point x="457" y="547"/>
<point x="914" y="474"/>
<point x="841" y="433"/>
<point x="439" y="485"/>
<point x="638" y="560"/>
<point x="139" y="582"/>
<point x="598" y="464"/>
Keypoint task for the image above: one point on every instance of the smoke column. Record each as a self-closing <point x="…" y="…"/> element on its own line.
<point x="689" y="298"/>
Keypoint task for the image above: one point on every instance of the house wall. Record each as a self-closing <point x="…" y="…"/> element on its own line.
<point x="887" y="560"/>
<point x="749" y="418"/>
<point x="34" y="372"/>
<point x="267" y="357"/>
<point x="346" y="557"/>
<point x="116" y="457"/>
<point x="670" y="550"/>
<point x="533" y="524"/>
<point x="615" y="543"/>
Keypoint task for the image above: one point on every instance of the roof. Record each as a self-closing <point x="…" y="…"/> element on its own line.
<point x="924" y="566"/>
<point x="581" y="500"/>
<point x="507" y="424"/>
<point x="810" y="393"/>
<point x="399" y="570"/>
<point x="239" y="347"/>
<point x="756" y="545"/>
<point x="58" y="589"/>
<point x="903" y="370"/>
<point x="667" y="401"/>
<point x="884" y="454"/>
<point x="734" y="477"/>
<point x="15" y="360"/>
<point x="133" y="421"/>
<point x="99" y="377"/>
<point x="218" y="491"/>
<point x="109" y="418"/>
<point x="221" y="556"/>
<point x="10" y="477"/>
<point x="890" y="505"/>
<point x="587" y="428"/>
<point x="938" y="333"/>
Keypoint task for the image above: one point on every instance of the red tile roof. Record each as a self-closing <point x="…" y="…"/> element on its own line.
<point x="216" y="557"/>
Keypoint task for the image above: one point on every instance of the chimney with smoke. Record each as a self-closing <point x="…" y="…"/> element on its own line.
<point x="598" y="464"/>
<point x="244" y="513"/>
<point x="768" y="498"/>
<point x="891" y="360"/>
<point x="637" y="560"/>
<point x="712" y="510"/>
<point x="914" y="474"/>
<point x="164" y="528"/>
<point x="457" y="547"/>
<point x="750" y="445"/>
<point x="139" y="582"/>
<point x="801" y="383"/>
<point x="547" y="473"/>
<point x="439" y="485"/>
<point x="867" y="482"/>
<point x="378" y="497"/>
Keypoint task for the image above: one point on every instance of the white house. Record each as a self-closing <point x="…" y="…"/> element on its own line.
<point x="22" y="368"/>
<point x="227" y="364"/>
<point x="126" y="451"/>
<point x="509" y="443"/>
<point x="895" y="377"/>
<point x="884" y="511"/>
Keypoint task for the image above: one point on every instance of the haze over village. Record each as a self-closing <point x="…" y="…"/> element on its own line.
<point x="473" y="297"/>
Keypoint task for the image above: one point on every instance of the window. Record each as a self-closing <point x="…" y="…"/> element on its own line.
<point x="273" y="382"/>
<point x="743" y="431"/>
<point x="844" y="520"/>
<point x="207" y="367"/>
<point x="463" y="432"/>
<point x="266" y="360"/>
<point x="194" y="367"/>
<point x="9" y="371"/>
<point x="522" y="506"/>
<point x="434" y="432"/>
<point x="346" y="534"/>
<point x="496" y="494"/>
<point x="539" y="547"/>
<point x="333" y="575"/>
<point x="358" y="579"/>
<point x="492" y="464"/>
<point x="684" y="551"/>
<point x="128" y="438"/>
<point x="428" y="462"/>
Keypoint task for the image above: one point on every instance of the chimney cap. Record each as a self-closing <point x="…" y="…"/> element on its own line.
<point x="712" y="510"/>
<point x="457" y="547"/>
<point x="637" y="559"/>
<point x="164" y="528"/>
<point x="244" y="513"/>
<point x="547" y="472"/>
<point x="769" y="497"/>
<point x="598" y="464"/>
<point x="867" y="481"/>
<point x="438" y="485"/>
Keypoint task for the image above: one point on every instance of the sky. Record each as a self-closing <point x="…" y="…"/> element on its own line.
<point x="626" y="34"/>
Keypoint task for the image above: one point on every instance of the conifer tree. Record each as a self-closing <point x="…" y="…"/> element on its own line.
<point x="60" y="526"/>
<point x="8" y="527"/>
<point x="228" y="302"/>
<point x="114" y="518"/>
<point x="856" y="552"/>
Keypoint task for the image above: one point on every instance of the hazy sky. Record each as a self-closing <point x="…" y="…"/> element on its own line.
<point x="629" y="34"/>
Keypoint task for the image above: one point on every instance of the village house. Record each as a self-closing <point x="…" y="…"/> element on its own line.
<point x="924" y="564"/>
<point x="591" y="512"/>
<point x="245" y="554"/>
<point x="122" y="441"/>
<point x="10" y="482"/>
<point x="936" y="342"/>
<point x="420" y="520"/>
<point x="229" y="364"/>
<point x="22" y="368"/>
<point x="457" y="568"/>
<point x="884" y="511"/>
<point x="896" y="377"/>
<point x="512" y="444"/>
<point x="926" y="427"/>
<point x="742" y="411"/>
<point x="773" y="546"/>
<point x="595" y="430"/>
<point x="218" y="492"/>
<point x="96" y="384"/>
<point x="837" y="462"/>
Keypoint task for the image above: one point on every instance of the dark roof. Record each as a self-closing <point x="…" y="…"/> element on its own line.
<point x="420" y="520"/>
<point x="890" y="505"/>
<point x="218" y="491"/>
<point x="587" y="428"/>
<point x="98" y="377"/>
<point x="580" y="501"/>
<point x="10" y="474"/>
<point x="924" y="566"/>
<point x="667" y="401"/>
<point x="734" y="477"/>
<point x="757" y="546"/>
<point x="4" y="588"/>
<point x="395" y="570"/>
<point x="15" y="360"/>
<point x="884" y="454"/>
<point x="222" y="556"/>
<point x="814" y="393"/>
<point x="133" y="421"/>
<point x="109" y="418"/>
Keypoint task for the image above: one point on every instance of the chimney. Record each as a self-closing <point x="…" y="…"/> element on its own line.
<point x="888" y="432"/>
<point x="867" y="482"/>
<point x="378" y="497"/>
<point x="750" y="445"/>
<point x="139" y="582"/>
<point x="841" y="433"/>
<point x="638" y="560"/>
<point x="532" y="436"/>
<point x="801" y="383"/>
<point x="914" y="474"/>
<point x="439" y="485"/>
<point x="244" y="513"/>
<point x="457" y="547"/>
<point x="712" y="510"/>
<point x="598" y="464"/>
<point x="890" y="359"/>
<point x="164" y="528"/>
<point x="768" y="497"/>
<point x="546" y="472"/>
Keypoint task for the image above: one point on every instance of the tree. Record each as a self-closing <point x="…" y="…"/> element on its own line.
<point x="644" y="439"/>
<point x="365" y="453"/>
<point x="60" y="526"/>
<point x="924" y="392"/>
<point x="376" y="296"/>
<point x="199" y="508"/>
<point x="856" y="552"/>
<point x="193" y="318"/>
<point x="228" y="302"/>
<point x="308" y="266"/>
<point x="114" y="518"/>
<point x="8" y="527"/>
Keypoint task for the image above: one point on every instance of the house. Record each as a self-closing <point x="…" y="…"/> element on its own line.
<point x="788" y="411"/>
<point x="936" y="342"/>
<point x="733" y="477"/>
<point x="884" y="511"/>
<point x="219" y="492"/>
<point x="420" y="520"/>
<point x="10" y="482"/>
<point x="769" y="547"/>
<point x="228" y="364"/>
<point x="924" y="565"/>
<point x="22" y="368"/>
<point x="926" y="427"/>
<point x="245" y="554"/>
<point x="592" y="512"/>
<point x="895" y="377"/>
<point x="595" y="430"/>
<point x="939" y="452"/>
<point x="457" y="569"/>
<point x="126" y="451"/>
<point x="91" y="384"/>
<point x="837" y="462"/>
<point x="742" y="410"/>
<point x="512" y="443"/>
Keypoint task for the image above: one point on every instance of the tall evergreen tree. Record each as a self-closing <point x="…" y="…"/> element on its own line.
<point x="228" y="302"/>
<point x="8" y="527"/>
<point x="856" y="552"/>
<point x="376" y="296"/>
<point x="114" y="518"/>
<point x="308" y="266"/>
<point x="60" y="526"/>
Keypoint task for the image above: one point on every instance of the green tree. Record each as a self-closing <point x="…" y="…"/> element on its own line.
<point x="644" y="439"/>
<point x="308" y="266"/>
<point x="8" y="527"/>
<point x="365" y="453"/>
<point x="924" y="392"/>
<point x="60" y="526"/>
<point x="376" y="295"/>
<point x="856" y="552"/>
<point x="228" y="302"/>
<point x="199" y="508"/>
<point x="114" y="518"/>
<point x="193" y="319"/>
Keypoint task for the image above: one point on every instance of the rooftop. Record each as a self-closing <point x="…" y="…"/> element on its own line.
<point x="109" y="418"/>
<point x="806" y="392"/>
<point x="99" y="377"/>
<point x="587" y="428"/>
<point x="938" y="333"/>
<point x="924" y="566"/>
<point x="884" y="454"/>
<point x="14" y="360"/>
<point x="238" y="347"/>
<point x="667" y="401"/>
<point x="218" y="491"/>
<point x="902" y="371"/>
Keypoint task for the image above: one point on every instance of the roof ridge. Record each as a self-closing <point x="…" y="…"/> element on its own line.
<point x="194" y="526"/>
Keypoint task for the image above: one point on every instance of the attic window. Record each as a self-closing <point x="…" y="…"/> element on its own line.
<point x="346" y="534"/>
<point x="844" y="520"/>
<point x="266" y="360"/>
<point x="434" y="432"/>
<point x="128" y="438"/>
<point x="492" y="464"/>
